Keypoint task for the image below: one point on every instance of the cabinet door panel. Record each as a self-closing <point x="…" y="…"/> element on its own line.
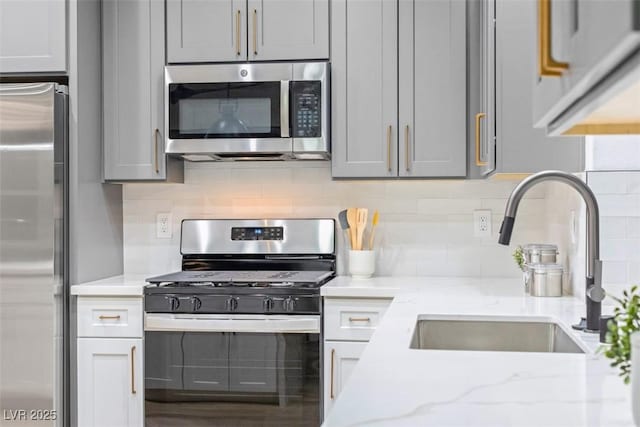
<point x="288" y="29"/>
<point x="110" y="387"/>
<point x="340" y="358"/>
<point x="206" y="30"/>
<point x="364" y="89"/>
<point x="33" y="36"/>
<point x="522" y="148"/>
<point x="206" y="361"/>
<point x="133" y="61"/>
<point x="432" y="82"/>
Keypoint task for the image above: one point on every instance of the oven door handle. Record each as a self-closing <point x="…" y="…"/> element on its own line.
<point x="231" y="323"/>
<point x="284" y="108"/>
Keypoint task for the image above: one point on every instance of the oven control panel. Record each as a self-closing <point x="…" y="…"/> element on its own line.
<point x="257" y="233"/>
<point x="306" y="120"/>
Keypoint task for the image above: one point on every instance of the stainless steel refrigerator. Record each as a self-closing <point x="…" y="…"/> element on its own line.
<point x="33" y="254"/>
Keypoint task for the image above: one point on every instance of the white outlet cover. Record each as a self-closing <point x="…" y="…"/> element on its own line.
<point x="163" y="226"/>
<point x="482" y="223"/>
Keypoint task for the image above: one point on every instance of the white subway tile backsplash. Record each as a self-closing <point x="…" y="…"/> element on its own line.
<point x="426" y="227"/>
<point x="608" y="182"/>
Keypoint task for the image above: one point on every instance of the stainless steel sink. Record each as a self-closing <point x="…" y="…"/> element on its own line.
<point x="487" y="333"/>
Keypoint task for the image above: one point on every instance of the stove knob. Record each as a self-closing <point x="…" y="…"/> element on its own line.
<point x="289" y="304"/>
<point x="174" y="303"/>
<point x="267" y="304"/>
<point x="196" y="303"/>
<point x="232" y="304"/>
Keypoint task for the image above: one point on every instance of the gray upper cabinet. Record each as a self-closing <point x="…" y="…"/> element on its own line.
<point x="398" y="92"/>
<point x="240" y="30"/>
<point x="432" y="82"/>
<point x="133" y="69"/>
<point x="520" y="147"/>
<point x="206" y="30"/>
<point x="588" y="73"/>
<point x="33" y="36"/>
<point x="364" y="91"/>
<point x="288" y="29"/>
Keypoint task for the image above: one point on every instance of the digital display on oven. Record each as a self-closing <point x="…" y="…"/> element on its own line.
<point x="257" y="233"/>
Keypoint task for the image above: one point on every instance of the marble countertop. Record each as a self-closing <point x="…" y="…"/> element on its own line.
<point x="123" y="286"/>
<point x="393" y="385"/>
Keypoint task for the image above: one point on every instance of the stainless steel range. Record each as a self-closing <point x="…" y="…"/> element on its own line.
<point x="234" y="337"/>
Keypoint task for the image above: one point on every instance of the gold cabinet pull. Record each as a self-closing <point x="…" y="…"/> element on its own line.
<point x="547" y="66"/>
<point x="331" y="390"/>
<point x="255" y="32"/>
<point x="238" y="37"/>
<point x="133" y="373"/>
<point x="479" y="161"/>
<point x="359" y="319"/>
<point x="116" y="317"/>
<point x="155" y="150"/>
<point x="389" y="148"/>
<point x="407" y="167"/>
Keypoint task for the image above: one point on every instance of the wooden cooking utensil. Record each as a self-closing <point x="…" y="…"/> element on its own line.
<point x="374" y="223"/>
<point x="361" y="224"/>
<point x="352" y="219"/>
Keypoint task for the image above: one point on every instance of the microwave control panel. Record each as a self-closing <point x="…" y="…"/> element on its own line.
<point x="306" y="120"/>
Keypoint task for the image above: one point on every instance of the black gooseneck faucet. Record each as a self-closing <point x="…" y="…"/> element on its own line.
<point x="594" y="292"/>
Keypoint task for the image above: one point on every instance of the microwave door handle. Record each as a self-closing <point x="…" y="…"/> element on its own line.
<point x="284" y="108"/>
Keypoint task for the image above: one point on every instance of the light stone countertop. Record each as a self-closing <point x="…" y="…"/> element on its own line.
<point x="393" y="385"/>
<point x="116" y="286"/>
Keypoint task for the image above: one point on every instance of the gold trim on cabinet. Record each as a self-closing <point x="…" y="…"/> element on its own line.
<point x="547" y="66"/>
<point x="238" y="36"/>
<point x="389" y="129"/>
<point x="407" y="167"/>
<point x="359" y="319"/>
<point x="479" y="161"/>
<point x="155" y="152"/>
<point x="255" y="31"/>
<point x="133" y="373"/>
<point x="331" y="391"/>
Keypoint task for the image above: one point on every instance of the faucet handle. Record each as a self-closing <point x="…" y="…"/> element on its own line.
<point x="595" y="291"/>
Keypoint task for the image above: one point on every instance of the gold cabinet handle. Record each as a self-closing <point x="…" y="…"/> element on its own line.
<point x="155" y="150"/>
<point x="407" y="167"/>
<point x="255" y="32"/>
<point x="331" y="390"/>
<point x="479" y="161"/>
<point x="133" y="373"/>
<point x="389" y="148"/>
<point x="238" y="37"/>
<point x="547" y="66"/>
<point x="116" y="317"/>
<point x="359" y="319"/>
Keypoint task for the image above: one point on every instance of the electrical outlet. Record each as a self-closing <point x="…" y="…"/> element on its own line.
<point x="163" y="226"/>
<point x="482" y="223"/>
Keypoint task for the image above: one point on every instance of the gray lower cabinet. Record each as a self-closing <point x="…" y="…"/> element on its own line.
<point x="133" y="87"/>
<point x="241" y="30"/>
<point x="253" y="363"/>
<point x="33" y="36"/>
<point x="364" y="91"/>
<point x="521" y="148"/>
<point x="398" y="88"/>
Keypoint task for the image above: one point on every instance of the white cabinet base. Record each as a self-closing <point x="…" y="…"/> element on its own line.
<point x="110" y="385"/>
<point x="340" y="357"/>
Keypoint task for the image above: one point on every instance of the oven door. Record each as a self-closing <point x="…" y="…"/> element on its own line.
<point x="228" y="109"/>
<point x="223" y="370"/>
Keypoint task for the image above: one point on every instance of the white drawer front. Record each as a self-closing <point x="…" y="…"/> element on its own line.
<point x="352" y="319"/>
<point x="110" y="317"/>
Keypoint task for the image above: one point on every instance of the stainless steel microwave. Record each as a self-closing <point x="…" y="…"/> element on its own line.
<point x="274" y="111"/>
